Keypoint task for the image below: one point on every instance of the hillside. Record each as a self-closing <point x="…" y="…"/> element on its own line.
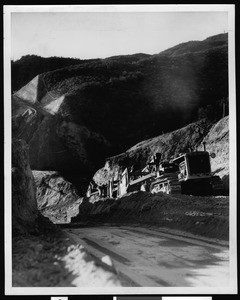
<point x="76" y="116"/>
<point x="196" y="46"/>
<point x="29" y="66"/>
<point x="171" y="145"/>
<point x="217" y="141"/>
<point x="59" y="201"/>
<point x="157" y="93"/>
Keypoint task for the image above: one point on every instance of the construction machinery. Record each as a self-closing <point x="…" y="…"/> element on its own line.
<point x="167" y="179"/>
<point x="190" y="173"/>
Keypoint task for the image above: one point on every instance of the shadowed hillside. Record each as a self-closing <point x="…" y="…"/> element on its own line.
<point x="87" y="111"/>
<point x="28" y="66"/>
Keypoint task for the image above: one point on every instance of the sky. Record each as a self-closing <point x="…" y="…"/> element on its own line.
<point x="87" y="35"/>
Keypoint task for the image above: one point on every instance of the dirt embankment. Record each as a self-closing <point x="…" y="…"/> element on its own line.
<point x="217" y="141"/>
<point x="171" y="145"/>
<point x="206" y="216"/>
<point x="59" y="201"/>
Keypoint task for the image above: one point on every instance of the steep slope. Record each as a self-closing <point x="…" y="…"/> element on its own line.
<point x="217" y="141"/>
<point x="171" y="145"/>
<point x="24" y="207"/>
<point x="55" y="143"/>
<point x="25" y="215"/>
<point x="59" y="201"/>
<point x="74" y="117"/>
<point x="144" y="97"/>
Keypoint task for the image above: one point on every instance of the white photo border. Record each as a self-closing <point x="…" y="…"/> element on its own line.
<point x="9" y="290"/>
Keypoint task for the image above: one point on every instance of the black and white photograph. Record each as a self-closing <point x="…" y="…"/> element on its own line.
<point x="120" y="150"/>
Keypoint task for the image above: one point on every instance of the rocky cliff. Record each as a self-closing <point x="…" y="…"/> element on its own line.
<point x="43" y="255"/>
<point x="25" y="215"/>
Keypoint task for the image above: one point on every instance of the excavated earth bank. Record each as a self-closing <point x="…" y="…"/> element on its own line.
<point x="205" y="216"/>
<point x="171" y="145"/>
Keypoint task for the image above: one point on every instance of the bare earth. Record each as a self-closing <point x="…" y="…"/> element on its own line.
<point x="205" y="216"/>
<point x="158" y="257"/>
<point x="140" y="240"/>
<point x="57" y="261"/>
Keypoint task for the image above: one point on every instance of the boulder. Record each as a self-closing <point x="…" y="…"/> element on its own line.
<point x="57" y="198"/>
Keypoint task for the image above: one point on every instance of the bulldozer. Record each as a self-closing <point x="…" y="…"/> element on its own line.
<point x="166" y="180"/>
<point x="189" y="173"/>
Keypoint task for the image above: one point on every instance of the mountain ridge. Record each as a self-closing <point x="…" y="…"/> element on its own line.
<point x="40" y="64"/>
<point x="89" y="111"/>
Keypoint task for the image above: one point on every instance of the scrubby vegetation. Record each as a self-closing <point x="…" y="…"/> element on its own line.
<point x="128" y="99"/>
<point x="28" y="66"/>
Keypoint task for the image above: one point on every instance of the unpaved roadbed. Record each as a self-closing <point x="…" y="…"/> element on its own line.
<point x="147" y="257"/>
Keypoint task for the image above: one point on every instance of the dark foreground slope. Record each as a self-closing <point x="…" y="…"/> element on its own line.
<point x="74" y="117"/>
<point x="42" y="255"/>
<point x="26" y="219"/>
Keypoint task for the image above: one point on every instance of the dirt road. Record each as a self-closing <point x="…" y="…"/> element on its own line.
<point x="158" y="257"/>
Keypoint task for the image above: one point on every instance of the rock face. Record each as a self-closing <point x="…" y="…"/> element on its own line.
<point x="24" y="204"/>
<point x="57" y="198"/>
<point x="217" y="141"/>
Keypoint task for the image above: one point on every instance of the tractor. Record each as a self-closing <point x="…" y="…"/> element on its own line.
<point x="190" y="173"/>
